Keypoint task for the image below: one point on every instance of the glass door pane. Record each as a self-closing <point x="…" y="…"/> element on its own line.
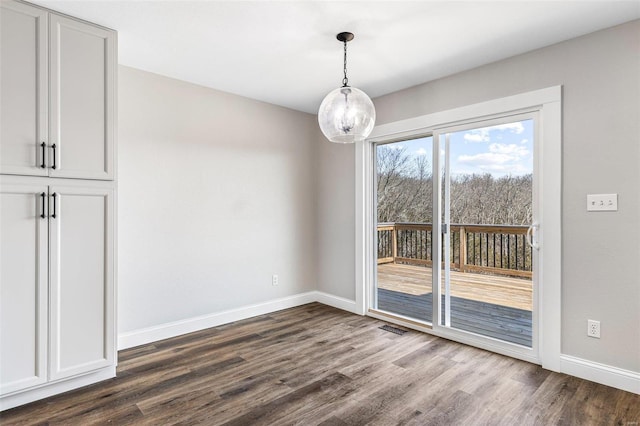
<point x="404" y="228"/>
<point x="487" y="209"/>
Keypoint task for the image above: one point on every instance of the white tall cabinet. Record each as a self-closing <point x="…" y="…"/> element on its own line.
<point x="57" y="203"/>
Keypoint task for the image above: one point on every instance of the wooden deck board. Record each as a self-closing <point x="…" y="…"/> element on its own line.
<point x="498" y="290"/>
<point x="494" y="306"/>
<point x="500" y="322"/>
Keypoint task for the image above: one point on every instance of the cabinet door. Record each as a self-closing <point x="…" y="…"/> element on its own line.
<point x="23" y="89"/>
<point x="23" y="287"/>
<point x="81" y="280"/>
<point x="82" y="99"/>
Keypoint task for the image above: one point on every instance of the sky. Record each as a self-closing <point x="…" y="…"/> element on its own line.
<point x="505" y="149"/>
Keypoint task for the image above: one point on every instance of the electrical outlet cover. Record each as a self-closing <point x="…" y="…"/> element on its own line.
<point x="593" y="328"/>
<point x="602" y="202"/>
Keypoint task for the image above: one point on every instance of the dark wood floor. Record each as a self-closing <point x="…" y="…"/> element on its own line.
<point x="488" y="319"/>
<point x="315" y="365"/>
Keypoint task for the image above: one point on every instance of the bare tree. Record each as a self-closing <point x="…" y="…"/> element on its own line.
<point x="405" y="193"/>
<point x="404" y="186"/>
<point x="484" y="199"/>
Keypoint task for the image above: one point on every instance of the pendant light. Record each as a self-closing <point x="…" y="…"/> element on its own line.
<point x="346" y="114"/>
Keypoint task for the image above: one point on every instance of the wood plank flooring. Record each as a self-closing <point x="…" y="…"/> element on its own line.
<point x="316" y="365"/>
<point x="499" y="290"/>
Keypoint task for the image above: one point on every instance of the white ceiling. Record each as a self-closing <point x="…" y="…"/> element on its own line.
<point x="285" y="52"/>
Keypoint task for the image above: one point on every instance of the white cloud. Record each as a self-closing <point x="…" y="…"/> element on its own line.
<point x="501" y="158"/>
<point x="499" y="153"/>
<point x="516" y="127"/>
<point x="476" y="137"/>
<point x="514" y="169"/>
<point x="482" y="135"/>
<point x="421" y="151"/>
<point x="512" y="149"/>
<point x="485" y="158"/>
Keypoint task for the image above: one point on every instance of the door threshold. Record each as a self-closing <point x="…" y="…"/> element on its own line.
<point x="400" y="320"/>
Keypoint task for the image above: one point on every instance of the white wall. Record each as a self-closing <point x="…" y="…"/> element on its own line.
<point x="600" y="74"/>
<point x="216" y="193"/>
<point x="336" y="218"/>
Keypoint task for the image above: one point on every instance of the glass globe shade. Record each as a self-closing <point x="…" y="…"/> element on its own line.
<point x="346" y="115"/>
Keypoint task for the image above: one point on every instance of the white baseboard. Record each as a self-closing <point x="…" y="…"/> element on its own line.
<point x="176" y="328"/>
<point x="600" y="373"/>
<point x="172" y="329"/>
<point x="337" y="302"/>
<point x="50" y="389"/>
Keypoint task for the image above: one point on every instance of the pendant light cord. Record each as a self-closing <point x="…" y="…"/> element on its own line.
<point x="345" y="80"/>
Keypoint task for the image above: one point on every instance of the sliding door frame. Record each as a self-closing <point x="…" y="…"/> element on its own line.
<point x="372" y="295"/>
<point x="547" y="104"/>
<point x="441" y="205"/>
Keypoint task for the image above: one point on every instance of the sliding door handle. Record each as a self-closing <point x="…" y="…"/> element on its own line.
<point x="44" y="153"/>
<point x="54" y="195"/>
<point x="43" y="195"/>
<point x="54" y="157"/>
<point x="530" y="236"/>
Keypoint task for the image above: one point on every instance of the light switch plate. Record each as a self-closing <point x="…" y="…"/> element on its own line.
<point x="602" y="202"/>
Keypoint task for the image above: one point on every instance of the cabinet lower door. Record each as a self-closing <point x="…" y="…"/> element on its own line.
<point x="23" y="287"/>
<point x="23" y="89"/>
<point x="81" y="280"/>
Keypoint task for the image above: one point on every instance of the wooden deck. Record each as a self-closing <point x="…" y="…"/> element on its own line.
<point x="498" y="307"/>
<point x="498" y="290"/>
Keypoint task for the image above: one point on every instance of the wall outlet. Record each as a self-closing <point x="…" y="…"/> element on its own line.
<point x="602" y="202"/>
<point x="274" y="279"/>
<point x="593" y="328"/>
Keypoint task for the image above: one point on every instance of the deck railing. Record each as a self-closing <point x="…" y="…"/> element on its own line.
<point x="495" y="249"/>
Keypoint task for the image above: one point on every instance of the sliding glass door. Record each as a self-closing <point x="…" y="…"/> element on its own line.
<point x="487" y="216"/>
<point x="404" y="189"/>
<point x="458" y="208"/>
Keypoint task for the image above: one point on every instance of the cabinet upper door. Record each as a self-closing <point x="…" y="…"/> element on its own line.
<point x="23" y="89"/>
<point x="23" y="286"/>
<point x="82" y="99"/>
<point x="81" y="280"/>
